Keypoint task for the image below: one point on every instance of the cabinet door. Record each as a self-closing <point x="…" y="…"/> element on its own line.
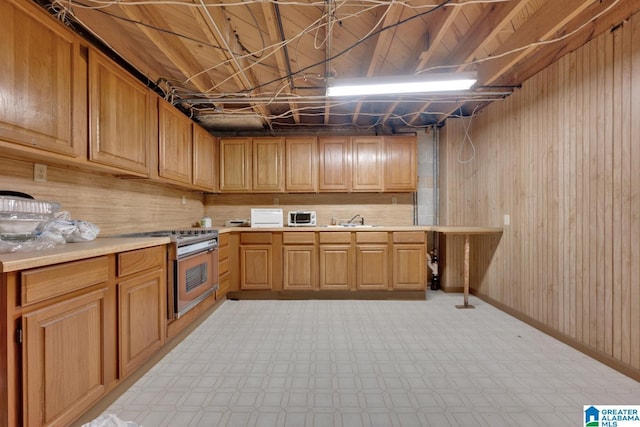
<point x="256" y="267"/>
<point x="336" y="267"/>
<point x="205" y="160"/>
<point x="122" y="112"/>
<point x="41" y="89"/>
<point x="300" y="266"/>
<point x="224" y="266"/>
<point x="268" y="174"/>
<point x="334" y="159"/>
<point x="368" y="164"/>
<point x="175" y="154"/>
<point x="63" y="359"/>
<point x="142" y="314"/>
<point x="401" y="163"/>
<point x="235" y="165"/>
<point x="372" y="265"/>
<point x="409" y="267"/>
<point x="301" y="159"/>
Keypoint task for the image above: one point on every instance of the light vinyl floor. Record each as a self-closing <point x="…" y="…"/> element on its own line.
<point x="351" y="363"/>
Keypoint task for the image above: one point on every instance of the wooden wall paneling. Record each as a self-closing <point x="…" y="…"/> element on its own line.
<point x="621" y="168"/>
<point x="560" y="157"/>
<point x="633" y="333"/>
<point x="609" y="147"/>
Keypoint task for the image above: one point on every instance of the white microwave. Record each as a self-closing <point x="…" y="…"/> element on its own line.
<point x="301" y="219"/>
<point x="266" y="218"/>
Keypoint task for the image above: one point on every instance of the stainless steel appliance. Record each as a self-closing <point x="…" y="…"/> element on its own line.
<point x="301" y="219"/>
<point x="192" y="267"/>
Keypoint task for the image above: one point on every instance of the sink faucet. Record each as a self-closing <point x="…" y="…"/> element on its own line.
<point x="354" y="218"/>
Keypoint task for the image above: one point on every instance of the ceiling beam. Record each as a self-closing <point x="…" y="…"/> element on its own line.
<point x="483" y="32"/>
<point x="542" y="25"/>
<point x="542" y="58"/>
<point x="277" y="37"/>
<point x="173" y="47"/>
<point x="215" y="24"/>
<point x="443" y="19"/>
<point x="382" y="47"/>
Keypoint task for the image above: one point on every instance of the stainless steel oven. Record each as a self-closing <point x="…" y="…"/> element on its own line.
<point x="192" y="267"/>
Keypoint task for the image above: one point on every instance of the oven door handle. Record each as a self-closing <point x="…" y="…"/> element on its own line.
<point x="195" y="254"/>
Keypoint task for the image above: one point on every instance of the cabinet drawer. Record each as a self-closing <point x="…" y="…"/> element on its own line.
<point x="335" y="237"/>
<point x="299" y="237"/>
<point x="409" y="237"/>
<point x="223" y="252"/>
<point x="48" y="282"/>
<point x="223" y="266"/>
<point x="140" y="260"/>
<point x="223" y="240"/>
<point x="255" y="238"/>
<point x="371" y="237"/>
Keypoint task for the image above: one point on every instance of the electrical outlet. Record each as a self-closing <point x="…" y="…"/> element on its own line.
<point x="507" y="219"/>
<point x="276" y="201"/>
<point x="39" y="172"/>
<point x="183" y="200"/>
<point x="394" y="200"/>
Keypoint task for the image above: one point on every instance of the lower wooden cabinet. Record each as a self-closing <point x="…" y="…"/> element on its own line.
<point x="409" y="260"/>
<point x="64" y="359"/>
<point x="372" y="260"/>
<point x="224" y="266"/>
<point x="142" y="306"/>
<point x="69" y="341"/>
<point x="73" y="330"/>
<point x="300" y="265"/>
<point x="256" y="261"/>
<point x="336" y="261"/>
<point x="142" y="315"/>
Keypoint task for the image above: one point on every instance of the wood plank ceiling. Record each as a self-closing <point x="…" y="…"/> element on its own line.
<point x="263" y="65"/>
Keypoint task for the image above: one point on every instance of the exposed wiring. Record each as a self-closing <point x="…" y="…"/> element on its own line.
<point x="467" y="137"/>
<point x="360" y="41"/>
<point x="358" y="3"/>
<point x="66" y="8"/>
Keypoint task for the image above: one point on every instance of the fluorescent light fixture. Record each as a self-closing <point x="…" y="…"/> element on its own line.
<point x="421" y="83"/>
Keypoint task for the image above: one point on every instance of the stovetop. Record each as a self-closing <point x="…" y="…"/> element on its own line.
<point x="180" y="236"/>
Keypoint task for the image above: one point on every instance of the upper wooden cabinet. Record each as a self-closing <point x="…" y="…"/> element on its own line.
<point x="235" y="165"/>
<point x="205" y="160"/>
<point x="42" y="82"/>
<point x="301" y="159"/>
<point x="323" y="164"/>
<point x="186" y="152"/>
<point x="368" y="163"/>
<point x="175" y="142"/>
<point x="122" y="117"/>
<point x="268" y="173"/>
<point x="401" y="163"/>
<point x="251" y="165"/>
<point x="334" y="160"/>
